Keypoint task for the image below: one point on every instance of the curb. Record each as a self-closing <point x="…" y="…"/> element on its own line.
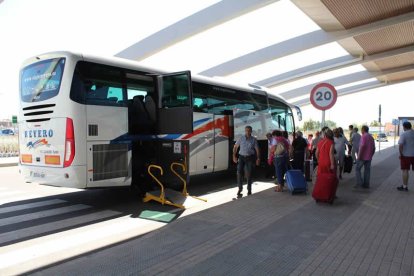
<point x="8" y="164"/>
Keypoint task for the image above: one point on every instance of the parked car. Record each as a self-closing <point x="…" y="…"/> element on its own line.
<point x="7" y="132"/>
<point x="382" y="137"/>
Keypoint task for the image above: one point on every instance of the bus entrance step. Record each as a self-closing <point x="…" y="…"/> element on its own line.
<point x="172" y="198"/>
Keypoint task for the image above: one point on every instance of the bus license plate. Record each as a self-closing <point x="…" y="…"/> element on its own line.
<point x="37" y="174"/>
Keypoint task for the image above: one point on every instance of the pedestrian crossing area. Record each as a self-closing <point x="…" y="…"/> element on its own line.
<point x="38" y="230"/>
<point x="40" y="227"/>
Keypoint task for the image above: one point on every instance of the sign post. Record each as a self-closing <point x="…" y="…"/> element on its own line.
<point x="14" y="123"/>
<point x="395" y="123"/>
<point x="323" y="96"/>
<point x="379" y="121"/>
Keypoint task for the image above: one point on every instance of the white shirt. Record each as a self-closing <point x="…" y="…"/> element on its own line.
<point x="356" y="139"/>
<point x="407" y="140"/>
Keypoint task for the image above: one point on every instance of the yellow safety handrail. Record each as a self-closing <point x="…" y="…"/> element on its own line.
<point x="183" y="167"/>
<point x="162" y="195"/>
<point x="161" y="199"/>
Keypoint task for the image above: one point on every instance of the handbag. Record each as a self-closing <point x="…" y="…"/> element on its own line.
<point x="270" y="159"/>
<point x="280" y="149"/>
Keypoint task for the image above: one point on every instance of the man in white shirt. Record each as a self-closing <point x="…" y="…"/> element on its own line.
<point x="406" y="148"/>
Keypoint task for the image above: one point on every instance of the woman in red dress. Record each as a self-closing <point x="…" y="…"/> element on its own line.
<point x="325" y="153"/>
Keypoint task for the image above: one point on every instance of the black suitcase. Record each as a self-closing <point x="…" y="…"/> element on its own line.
<point x="348" y="162"/>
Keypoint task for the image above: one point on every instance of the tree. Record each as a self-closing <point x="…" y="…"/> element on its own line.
<point x="309" y="125"/>
<point x="330" y="124"/>
<point x="318" y="125"/>
<point x="374" y="124"/>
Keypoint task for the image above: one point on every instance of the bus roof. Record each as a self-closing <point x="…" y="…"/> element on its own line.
<point x="135" y="65"/>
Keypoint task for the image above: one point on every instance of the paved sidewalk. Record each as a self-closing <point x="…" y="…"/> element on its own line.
<point x="362" y="233"/>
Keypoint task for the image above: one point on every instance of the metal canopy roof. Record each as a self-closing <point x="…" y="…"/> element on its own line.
<point x="376" y="34"/>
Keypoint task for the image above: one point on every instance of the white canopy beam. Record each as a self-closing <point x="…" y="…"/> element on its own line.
<point x="298" y="44"/>
<point x="342" y="80"/>
<point x="198" y="22"/>
<point x="310" y="70"/>
<point x="356" y="88"/>
<point x="329" y="65"/>
<point x="348" y="90"/>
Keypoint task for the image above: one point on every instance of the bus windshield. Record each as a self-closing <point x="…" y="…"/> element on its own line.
<point x="41" y="81"/>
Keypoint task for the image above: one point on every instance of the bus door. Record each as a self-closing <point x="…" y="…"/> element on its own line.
<point x="202" y="144"/>
<point x="260" y="122"/>
<point x="167" y="110"/>
<point x="221" y="142"/>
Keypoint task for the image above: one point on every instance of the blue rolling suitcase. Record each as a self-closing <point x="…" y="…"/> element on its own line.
<point x="296" y="182"/>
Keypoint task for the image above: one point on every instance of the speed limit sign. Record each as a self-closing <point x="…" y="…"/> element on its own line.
<point x="323" y="96"/>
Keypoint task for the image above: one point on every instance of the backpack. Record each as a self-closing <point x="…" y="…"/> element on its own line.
<point x="280" y="148"/>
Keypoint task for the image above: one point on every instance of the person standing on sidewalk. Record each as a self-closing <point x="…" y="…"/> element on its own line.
<point x="351" y="142"/>
<point x="406" y="147"/>
<point x="315" y="142"/>
<point x="298" y="150"/>
<point x="325" y="153"/>
<point x="280" y="152"/>
<point x="340" y="142"/>
<point x="356" y="139"/>
<point x="270" y="170"/>
<point x="248" y="154"/>
<point x="365" y="154"/>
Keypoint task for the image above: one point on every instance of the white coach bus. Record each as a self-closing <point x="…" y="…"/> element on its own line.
<point x="89" y="121"/>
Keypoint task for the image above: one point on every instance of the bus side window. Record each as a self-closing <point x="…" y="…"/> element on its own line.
<point x="200" y="102"/>
<point x="96" y="94"/>
<point x="97" y="84"/>
<point x="132" y="93"/>
<point x="200" y="105"/>
<point x="115" y="95"/>
<point x="104" y="95"/>
<point x="278" y="112"/>
<point x="139" y="85"/>
<point x="289" y="123"/>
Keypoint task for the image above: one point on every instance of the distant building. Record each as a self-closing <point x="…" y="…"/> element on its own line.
<point x="5" y="123"/>
<point x="388" y="128"/>
<point x="402" y="120"/>
<point x="375" y="129"/>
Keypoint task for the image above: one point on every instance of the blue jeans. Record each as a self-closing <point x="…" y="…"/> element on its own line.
<point x="280" y="167"/>
<point x="245" y="164"/>
<point x="367" y="172"/>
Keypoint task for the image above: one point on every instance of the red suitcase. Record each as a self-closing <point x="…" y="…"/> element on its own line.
<point x="325" y="187"/>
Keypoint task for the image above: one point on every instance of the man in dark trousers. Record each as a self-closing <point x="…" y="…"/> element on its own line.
<point x="351" y="131"/>
<point x="406" y="149"/>
<point x="365" y="154"/>
<point x="299" y="148"/>
<point x="249" y="154"/>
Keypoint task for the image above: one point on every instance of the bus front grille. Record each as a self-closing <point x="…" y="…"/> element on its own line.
<point x="110" y="161"/>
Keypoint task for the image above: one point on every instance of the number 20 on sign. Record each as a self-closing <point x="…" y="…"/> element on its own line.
<point x="323" y="96"/>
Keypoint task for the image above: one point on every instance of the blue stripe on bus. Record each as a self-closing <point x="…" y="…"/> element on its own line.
<point x="199" y="122"/>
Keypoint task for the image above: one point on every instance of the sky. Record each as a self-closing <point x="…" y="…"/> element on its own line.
<point x="104" y="27"/>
